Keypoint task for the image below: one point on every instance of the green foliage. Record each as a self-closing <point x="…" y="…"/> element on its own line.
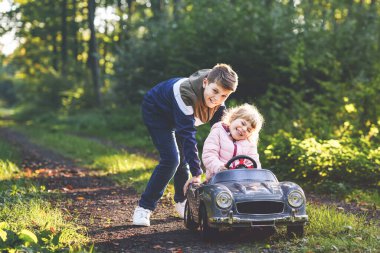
<point x="369" y="198"/>
<point x="316" y="161"/>
<point x="89" y="152"/>
<point x="9" y="158"/>
<point x="7" y="92"/>
<point x="331" y="229"/>
<point x="8" y="169"/>
<point x="48" y="88"/>
<point x="29" y="222"/>
<point x="28" y="237"/>
<point x="257" y="35"/>
<point x="123" y="126"/>
<point x="328" y="230"/>
<point x="51" y="92"/>
<point x="305" y="57"/>
<point x="331" y="223"/>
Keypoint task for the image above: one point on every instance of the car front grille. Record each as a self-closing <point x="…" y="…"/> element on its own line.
<point x="260" y="207"/>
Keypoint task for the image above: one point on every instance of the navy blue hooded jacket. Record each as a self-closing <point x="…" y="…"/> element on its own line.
<point x="180" y="101"/>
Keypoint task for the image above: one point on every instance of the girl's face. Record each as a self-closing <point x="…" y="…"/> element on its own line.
<point x="214" y="94"/>
<point x="240" y="129"/>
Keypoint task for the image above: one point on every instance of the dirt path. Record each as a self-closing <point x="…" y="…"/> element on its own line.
<point x="106" y="209"/>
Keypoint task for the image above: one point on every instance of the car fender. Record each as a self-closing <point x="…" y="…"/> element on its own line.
<point x="206" y="197"/>
<point x="287" y="187"/>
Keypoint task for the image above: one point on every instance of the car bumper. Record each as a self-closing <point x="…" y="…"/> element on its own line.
<point x="258" y="221"/>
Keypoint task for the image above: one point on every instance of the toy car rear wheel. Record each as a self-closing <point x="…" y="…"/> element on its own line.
<point x="295" y="231"/>
<point x="188" y="219"/>
<point x="207" y="233"/>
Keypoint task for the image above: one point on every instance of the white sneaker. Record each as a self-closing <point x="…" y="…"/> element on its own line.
<point x="180" y="208"/>
<point x="141" y="217"/>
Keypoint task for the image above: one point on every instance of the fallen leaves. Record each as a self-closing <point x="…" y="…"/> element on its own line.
<point x="28" y="172"/>
<point x="52" y="229"/>
<point x="68" y="188"/>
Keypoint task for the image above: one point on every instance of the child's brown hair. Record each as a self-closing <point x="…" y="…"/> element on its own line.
<point x="223" y="75"/>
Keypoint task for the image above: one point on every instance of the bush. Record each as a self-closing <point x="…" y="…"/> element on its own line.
<point x="313" y="160"/>
<point x="7" y="92"/>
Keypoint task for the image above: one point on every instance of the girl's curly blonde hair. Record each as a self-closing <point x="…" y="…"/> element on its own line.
<point x="247" y="112"/>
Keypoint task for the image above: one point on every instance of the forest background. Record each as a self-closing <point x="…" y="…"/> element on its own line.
<point x="312" y="67"/>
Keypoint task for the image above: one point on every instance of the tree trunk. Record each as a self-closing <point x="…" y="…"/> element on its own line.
<point x="105" y="51"/>
<point x="176" y="9"/>
<point x="55" y="52"/>
<point x="93" y="56"/>
<point x="130" y="10"/>
<point x="124" y="26"/>
<point x="121" y="21"/>
<point x="158" y="8"/>
<point x="75" y="31"/>
<point x="64" y="38"/>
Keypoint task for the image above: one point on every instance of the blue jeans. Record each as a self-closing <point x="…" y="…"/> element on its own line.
<point x="161" y="129"/>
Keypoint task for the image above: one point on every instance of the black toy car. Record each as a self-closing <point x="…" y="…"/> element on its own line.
<point x="245" y="198"/>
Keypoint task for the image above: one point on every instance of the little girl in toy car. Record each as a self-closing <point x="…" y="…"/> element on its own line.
<point x="237" y="134"/>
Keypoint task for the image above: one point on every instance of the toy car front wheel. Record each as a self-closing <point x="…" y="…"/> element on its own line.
<point x="207" y="233"/>
<point x="295" y="230"/>
<point x="188" y="219"/>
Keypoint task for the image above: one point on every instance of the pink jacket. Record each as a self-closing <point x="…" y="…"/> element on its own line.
<point x="219" y="148"/>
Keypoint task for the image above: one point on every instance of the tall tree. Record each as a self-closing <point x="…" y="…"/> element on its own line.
<point x="93" y="56"/>
<point x="176" y="9"/>
<point x="74" y="30"/>
<point x="64" y="37"/>
<point x="120" y="8"/>
<point x="124" y="27"/>
<point x="55" y="51"/>
<point x="130" y="10"/>
<point x="158" y="8"/>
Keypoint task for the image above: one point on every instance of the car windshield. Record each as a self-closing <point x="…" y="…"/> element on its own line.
<point x="259" y="175"/>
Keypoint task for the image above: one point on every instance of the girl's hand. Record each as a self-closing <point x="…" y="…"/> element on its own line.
<point x="211" y="173"/>
<point x="193" y="180"/>
<point x="223" y="167"/>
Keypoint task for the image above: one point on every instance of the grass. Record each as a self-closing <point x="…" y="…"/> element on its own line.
<point x="6" y="112"/>
<point x="8" y="156"/>
<point x="119" y="126"/>
<point x="119" y="164"/>
<point x="365" y="198"/>
<point x="329" y="230"/>
<point x="28" y="222"/>
<point x="47" y="223"/>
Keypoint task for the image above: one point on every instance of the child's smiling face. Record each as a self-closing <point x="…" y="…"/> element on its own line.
<point x="240" y="129"/>
<point x="214" y="94"/>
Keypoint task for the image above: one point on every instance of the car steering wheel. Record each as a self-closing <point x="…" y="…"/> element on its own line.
<point x="242" y="162"/>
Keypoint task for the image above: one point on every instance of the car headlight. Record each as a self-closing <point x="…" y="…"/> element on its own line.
<point x="224" y="200"/>
<point x="295" y="199"/>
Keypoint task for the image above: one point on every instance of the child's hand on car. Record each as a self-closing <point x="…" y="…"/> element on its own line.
<point x="223" y="167"/>
<point x="193" y="180"/>
<point x="210" y="173"/>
